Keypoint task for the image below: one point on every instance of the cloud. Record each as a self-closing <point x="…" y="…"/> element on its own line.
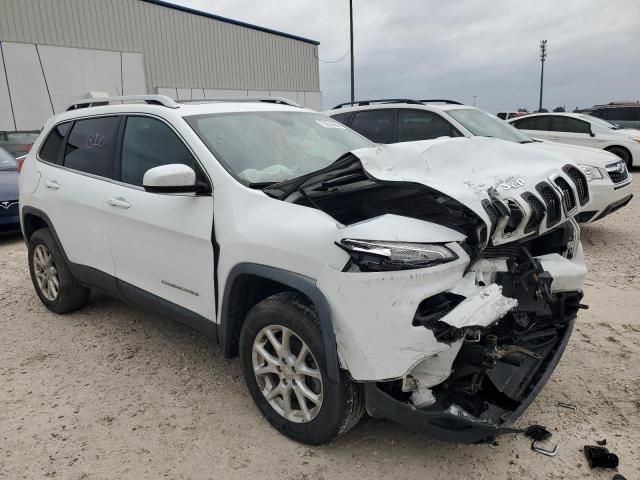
<point x="488" y="48"/>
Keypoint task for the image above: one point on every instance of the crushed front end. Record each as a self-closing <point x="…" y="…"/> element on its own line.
<point x="473" y="392"/>
<point x="456" y="337"/>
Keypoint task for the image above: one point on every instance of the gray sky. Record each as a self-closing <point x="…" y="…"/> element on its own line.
<point x="457" y="49"/>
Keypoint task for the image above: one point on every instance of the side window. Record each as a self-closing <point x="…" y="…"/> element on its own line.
<point x="570" y="125"/>
<point x="91" y="146"/>
<point x="601" y="113"/>
<point x="541" y="123"/>
<point x="149" y="143"/>
<point x="628" y="114"/>
<point x="376" y="125"/>
<point x="420" y="125"/>
<point x="50" y="150"/>
<point x="343" y="118"/>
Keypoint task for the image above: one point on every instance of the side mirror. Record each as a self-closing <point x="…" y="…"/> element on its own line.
<point x="172" y="178"/>
<point x="591" y="133"/>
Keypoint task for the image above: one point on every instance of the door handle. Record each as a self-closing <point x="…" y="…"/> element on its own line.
<point x="52" y="184"/>
<point x="119" y="202"/>
<point x="555" y="138"/>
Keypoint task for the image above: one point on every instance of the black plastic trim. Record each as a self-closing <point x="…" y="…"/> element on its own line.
<point x="304" y="285"/>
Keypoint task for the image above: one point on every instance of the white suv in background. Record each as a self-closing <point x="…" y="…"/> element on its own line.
<point x="346" y="276"/>
<point x="404" y="120"/>
<point x="583" y="130"/>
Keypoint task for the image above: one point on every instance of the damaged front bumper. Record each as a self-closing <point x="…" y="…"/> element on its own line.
<point x="459" y="351"/>
<point x="455" y="424"/>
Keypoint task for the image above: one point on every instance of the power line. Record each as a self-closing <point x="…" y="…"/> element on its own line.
<point x="332" y="61"/>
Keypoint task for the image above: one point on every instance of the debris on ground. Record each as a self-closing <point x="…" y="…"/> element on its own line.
<point x="600" y="457"/>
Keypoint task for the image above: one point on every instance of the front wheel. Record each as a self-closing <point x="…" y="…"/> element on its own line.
<point x="284" y="366"/>
<point x="623" y="154"/>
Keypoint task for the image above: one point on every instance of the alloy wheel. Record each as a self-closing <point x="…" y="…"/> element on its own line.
<point x="287" y="374"/>
<point x="46" y="273"/>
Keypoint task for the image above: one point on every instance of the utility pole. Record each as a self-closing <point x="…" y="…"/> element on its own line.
<point x="353" y="99"/>
<point x="474" y="100"/>
<point x="543" y="56"/>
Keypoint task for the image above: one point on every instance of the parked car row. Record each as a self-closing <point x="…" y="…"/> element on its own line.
<point x="391" y="121"/>
<point x="625" y="114"/>
<point x="434" y="283"/>
<point x="584" y="130"/>
<point x="18" y="143"/>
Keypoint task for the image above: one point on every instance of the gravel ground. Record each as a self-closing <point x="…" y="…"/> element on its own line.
<point x="113" y="391"/>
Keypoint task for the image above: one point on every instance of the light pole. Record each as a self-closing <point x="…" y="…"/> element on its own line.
<point x="351" y="47"/>
<point x="474" y="99"/>
<point x="543" y="56"/>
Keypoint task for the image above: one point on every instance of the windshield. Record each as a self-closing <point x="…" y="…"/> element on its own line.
<point x="274" y="146"/>
<point x="600" y="122"/>
<point x="483" y="124"/>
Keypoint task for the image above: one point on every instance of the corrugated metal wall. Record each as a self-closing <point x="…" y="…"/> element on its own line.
<point x="180" y="49"/>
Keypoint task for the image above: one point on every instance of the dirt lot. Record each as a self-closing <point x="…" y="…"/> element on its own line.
<point x="115" y="392"/>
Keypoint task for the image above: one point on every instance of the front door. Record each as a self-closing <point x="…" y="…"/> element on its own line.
<point x="161" y="243"/>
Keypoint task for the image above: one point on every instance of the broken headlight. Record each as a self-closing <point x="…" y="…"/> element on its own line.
<point x="380" y="256"/>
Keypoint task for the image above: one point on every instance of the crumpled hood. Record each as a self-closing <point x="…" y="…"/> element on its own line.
<point x="471" y="170"/>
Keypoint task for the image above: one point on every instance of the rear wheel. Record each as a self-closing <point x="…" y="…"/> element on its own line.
<point x="623" y="154"/>
<point x="284" y="366"/>
<point x="51" y="277"/>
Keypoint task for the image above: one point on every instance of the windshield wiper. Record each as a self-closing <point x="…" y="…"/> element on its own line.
<point x="527" y="141"/>
<point x="287" y="187"/>
<point x="260" y="185"/>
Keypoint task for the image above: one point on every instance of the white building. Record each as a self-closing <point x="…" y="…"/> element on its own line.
<point x="55" y="51"/>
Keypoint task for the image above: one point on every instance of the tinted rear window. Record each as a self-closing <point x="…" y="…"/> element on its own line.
<point x="534" y="123"/>
<point x="376" y="125"/>
<point x="91" y="146"/>
<point x="342" y="117"/>
<point x="52" y="145"/>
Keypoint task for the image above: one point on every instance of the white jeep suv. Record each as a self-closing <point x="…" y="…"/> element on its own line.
<point x="346" y="276"/>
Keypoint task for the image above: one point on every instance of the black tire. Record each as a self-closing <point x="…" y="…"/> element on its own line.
<point x="343" y="401"/>
<point x="623" y="153"/>
<point x="71" y="295"/>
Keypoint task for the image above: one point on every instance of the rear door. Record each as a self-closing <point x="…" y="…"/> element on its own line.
<point x="571" y="130"/>
<point x="538" y="126"/>
<point x="76" y="164"/>
<point x="161" y="243"/>
<point x="376" y="125"/>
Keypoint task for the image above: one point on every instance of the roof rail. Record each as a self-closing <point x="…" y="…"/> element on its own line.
<point x="150" y="99"/>
<point x="361" y="103"/>
<point x="278" y="100"/>
<point x="441" y="100"/>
